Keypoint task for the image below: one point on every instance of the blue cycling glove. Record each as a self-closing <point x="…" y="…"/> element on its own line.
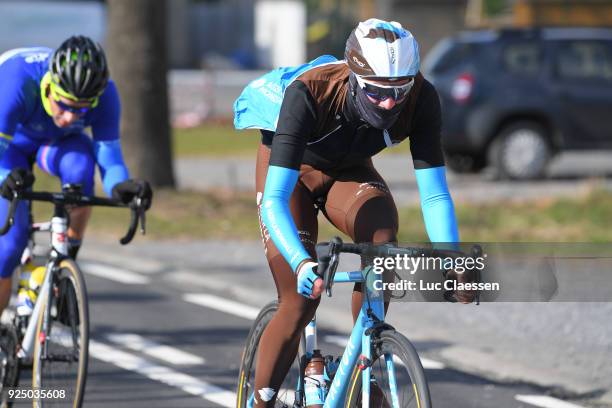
<point x="306" y="277"/>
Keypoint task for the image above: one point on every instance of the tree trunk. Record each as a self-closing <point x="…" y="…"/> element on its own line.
<point x="136" y="47"/>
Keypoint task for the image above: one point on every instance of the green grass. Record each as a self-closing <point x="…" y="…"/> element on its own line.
<point x="220" y="214"/>
<point x="214" y="140"/>
<point x="218" y="140"/>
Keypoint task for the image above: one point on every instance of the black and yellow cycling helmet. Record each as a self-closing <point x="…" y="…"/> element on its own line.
<point x="79" y="68"/>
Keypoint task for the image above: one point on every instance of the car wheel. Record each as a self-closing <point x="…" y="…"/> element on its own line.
<point x="521" y="151"/>
<point x="465" y="163"/>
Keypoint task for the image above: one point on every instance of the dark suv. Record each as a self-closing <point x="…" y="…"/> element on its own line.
<point x="513" y="98"/>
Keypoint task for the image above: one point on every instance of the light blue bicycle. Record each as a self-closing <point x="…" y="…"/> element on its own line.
<point x="379" y="366"/>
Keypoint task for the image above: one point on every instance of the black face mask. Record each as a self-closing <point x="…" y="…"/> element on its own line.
<point x="377" y="117"/>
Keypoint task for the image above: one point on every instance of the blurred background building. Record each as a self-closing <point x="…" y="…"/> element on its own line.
<point x="215" y="47"/>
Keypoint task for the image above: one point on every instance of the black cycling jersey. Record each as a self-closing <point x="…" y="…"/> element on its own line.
<point x="349" y="140"/>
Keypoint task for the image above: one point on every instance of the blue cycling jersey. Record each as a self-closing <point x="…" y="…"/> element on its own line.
<point x="25" y="112"/>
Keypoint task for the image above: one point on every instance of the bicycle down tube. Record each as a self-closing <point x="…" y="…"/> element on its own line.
<point x="372" y="309"/>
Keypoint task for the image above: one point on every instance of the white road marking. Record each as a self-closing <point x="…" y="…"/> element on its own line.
<point x="223" y="305"/>
<point x="134" y="263"/>
<point x="113" y="273"/>
<point x="427" y="363"/>
<point x="151" y="348"/>
<point x="545" y="401"/>
<point x="163" y="374"/>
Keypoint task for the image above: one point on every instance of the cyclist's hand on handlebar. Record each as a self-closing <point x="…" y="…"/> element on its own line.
<point x="18" y="180"/>
<point x="463" y="295"/>
<point x="127" y="190"/>
<point x="309" y="284"/>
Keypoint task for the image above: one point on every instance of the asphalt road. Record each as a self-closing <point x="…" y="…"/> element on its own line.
<point x="168" y="326"/>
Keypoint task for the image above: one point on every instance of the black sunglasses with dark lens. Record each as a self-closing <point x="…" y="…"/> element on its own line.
<point x="73" y="109"/>
<point x="382" y="94"/>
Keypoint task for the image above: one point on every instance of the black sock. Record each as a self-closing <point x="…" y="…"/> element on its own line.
<point x="73" y="247"/>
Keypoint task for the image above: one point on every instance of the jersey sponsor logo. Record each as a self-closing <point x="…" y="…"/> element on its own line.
<point x="356" y="61"/>
<point x="258" y="83"/>
<point x="30" y="55"/>
<point x="39" y="57"/>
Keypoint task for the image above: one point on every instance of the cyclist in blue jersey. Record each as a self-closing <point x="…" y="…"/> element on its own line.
<point x="316" y="155"/>
<point x="47" y="101"/>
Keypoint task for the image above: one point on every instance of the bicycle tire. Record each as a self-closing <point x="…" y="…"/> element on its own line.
<point x="246" y="378"/>
<point x="69" y="310"/>
<point x="10" y="372"/>
<point x="390" y="342"/>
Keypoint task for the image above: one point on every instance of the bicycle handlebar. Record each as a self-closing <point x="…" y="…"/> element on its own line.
<point x="328" y="255"/>
<point x="79" y="200"/>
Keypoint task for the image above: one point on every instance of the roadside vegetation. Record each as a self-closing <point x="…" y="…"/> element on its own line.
<point x="221" y="139"/>
<point x="224" y="214"/>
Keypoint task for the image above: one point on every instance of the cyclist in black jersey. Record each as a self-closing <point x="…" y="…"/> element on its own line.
<point x="316" y="155"/>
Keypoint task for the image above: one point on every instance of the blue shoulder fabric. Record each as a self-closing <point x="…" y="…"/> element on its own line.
<point x="437" y="205"/>
<point x="276" y="215"/>
<point x="112" y="168"/>
<point x="258" y="106"/>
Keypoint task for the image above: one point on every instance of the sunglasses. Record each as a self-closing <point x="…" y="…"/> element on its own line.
<point x="72" y="109"/>
<point x="78" y="110"/>
<point x="381" y="93"/>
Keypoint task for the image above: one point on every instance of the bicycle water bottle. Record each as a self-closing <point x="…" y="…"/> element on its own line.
<point x="315" y="385"/>
<point x="30" y="279"/>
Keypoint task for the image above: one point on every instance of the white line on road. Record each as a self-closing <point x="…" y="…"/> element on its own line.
<point x="223" y="305"/>
<point x="151" y="348"/>
<point x="163" y="374"/>
<point x="139" y="264"/>
<point x="427" y="363"/>
<point x="545" y="401"/>
<point x="115" y="274"/>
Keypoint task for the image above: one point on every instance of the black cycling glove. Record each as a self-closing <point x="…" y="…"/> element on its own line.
<point x="17" y="180"/>
<point x="127" y="190"/>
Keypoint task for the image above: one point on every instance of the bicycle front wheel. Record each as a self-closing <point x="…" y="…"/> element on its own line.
<point x="397" y="377"/>
<point x="286" y="396"/>
<point x="61" y="349"/>
<point x="9" y="365"/>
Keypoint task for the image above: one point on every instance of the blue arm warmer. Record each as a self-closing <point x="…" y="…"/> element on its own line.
<point x="112" y="168"/>
<point x="276" y="215"/>
<point x="437" y="205"/>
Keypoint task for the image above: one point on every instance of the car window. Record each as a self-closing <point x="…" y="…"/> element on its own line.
<point x="522" y="59"/>
<point x="447" y="55"/>
<point x="587" y="60"/>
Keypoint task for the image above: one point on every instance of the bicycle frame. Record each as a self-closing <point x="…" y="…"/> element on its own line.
<point x="59" y="251"/>
<point x="359" y="343"/>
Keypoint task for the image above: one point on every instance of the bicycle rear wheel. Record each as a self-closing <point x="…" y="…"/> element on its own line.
<point x="246" y="385"/>
<point x="61" y="351"/>
<point x="9" y="364"/>
<point x="403" y="379"/>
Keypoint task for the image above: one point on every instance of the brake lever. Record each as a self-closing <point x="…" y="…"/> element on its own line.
<point x="10" y="219"/>
<point x="134" y="218"/>
<point x="143" y="222"/>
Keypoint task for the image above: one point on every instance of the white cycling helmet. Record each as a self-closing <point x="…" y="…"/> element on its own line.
<point x="379" y="49"/>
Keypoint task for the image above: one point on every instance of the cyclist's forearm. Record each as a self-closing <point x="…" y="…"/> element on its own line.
<point x="276" y="215"/>
<point x="437" y="205"/>
<point x="113" y="176"/>
<point x="112" y="168"/>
